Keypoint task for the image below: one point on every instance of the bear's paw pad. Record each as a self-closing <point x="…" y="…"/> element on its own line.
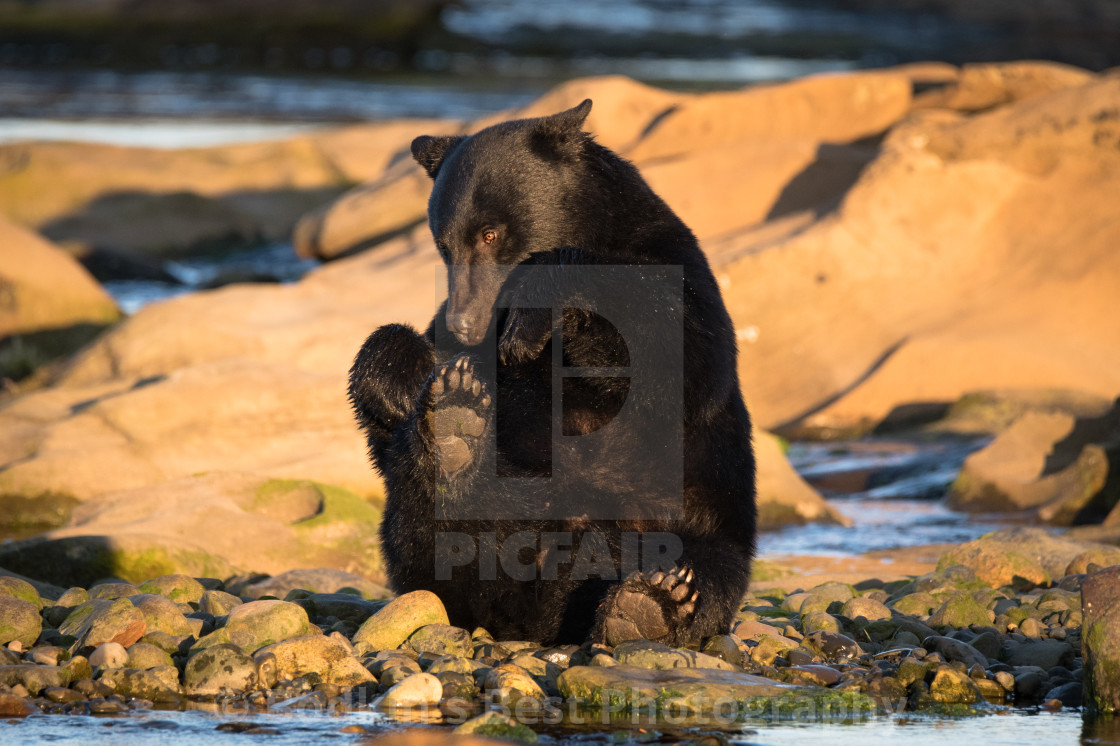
<point x="651" y="606"/>
<point x="460" y="413"/>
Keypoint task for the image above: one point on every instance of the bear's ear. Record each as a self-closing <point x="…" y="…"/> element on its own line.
<point x="561" y="136"/>
<point x="430" y="152"/>
<point x="573" y="118"/>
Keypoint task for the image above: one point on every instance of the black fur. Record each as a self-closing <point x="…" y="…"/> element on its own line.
<point x="541" y="192"/>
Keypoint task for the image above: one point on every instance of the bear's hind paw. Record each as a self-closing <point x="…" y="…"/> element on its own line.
<point x="655" y="605"/>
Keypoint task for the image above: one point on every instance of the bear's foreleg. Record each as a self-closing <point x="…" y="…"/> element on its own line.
<point x="386" y="378"/>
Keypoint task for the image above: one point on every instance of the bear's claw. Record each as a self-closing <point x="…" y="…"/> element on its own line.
<point x="653" y="605"/>
<point x="460" y="413"/>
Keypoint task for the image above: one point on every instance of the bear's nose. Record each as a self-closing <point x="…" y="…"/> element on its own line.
<point x="457" y="323"/>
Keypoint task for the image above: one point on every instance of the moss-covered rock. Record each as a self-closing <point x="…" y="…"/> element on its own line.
<point x="159" y="684"/>
<point x="496" y="725"/>
<point x="815" y="621"/>
<point x="398" y="619"/>
<point x="916" y="604"/>
<point x="508" y="684"/>
<point x="32" y="677"/>
<point x="219" y="668"/>
<point x="1103" y="557"/>
<point x="646" y="654"/>
<point x="144" y="655"/>
<point x="82" y="560"/>
<point x="256" y="624"/>
<point x="179" y="588"/>
<point x="997" y="566"/>
<point x="21" y="589"/>
<point x="441" y="639"/>
<point x="455" y="664"/>
<point x="769" y="647"/>
<point x="866" y="608"/>
<point x="628" y="688"/>
<point x="161" y="614"/>
<point x="951" y="687"/>
<point x="19" y="621"/>
<point x="330" y="659"/>
<point x="112" y="590"/>
<point x="218" y="603"/>
<point x="98" y="621"/>
<point x="960" y="610"/>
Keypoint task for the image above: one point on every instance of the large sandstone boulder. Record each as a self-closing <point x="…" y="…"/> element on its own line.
<point x="225" y="415"/>
<point x="784" y="498"/>
<point x="210" y="525"/>
<point x="984" y="86"/>
<point x="42" y="288"/>
<point x="973" y="253"/>
<point x="397" y="199"/>
<point x="865" y="276"/>
<point x="701" y="153"/>
<point x="155" y="201"/>
<point x="1062" y="468"/>
<point x="1021" y="557"/>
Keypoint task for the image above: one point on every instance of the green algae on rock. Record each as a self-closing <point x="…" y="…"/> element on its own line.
<point x="1100" y="639"/>
<point x="97" y="621"/>
<point x="179" y="588"/>
<point x="630" y="688"/>
<point x="397" y="620"/>
<point x="646" y="654"/>
<point x="19" y="621"/>
<point x="961" y="610"/>
<point x="330" y="659"/>
<point x="496" y="725"/>
<point x="161" y="614"/>
<point x="21" y="589"/>
<point x="219" y="668"/>
<point x="441" y="639"/>
<point x="256" y="624"/>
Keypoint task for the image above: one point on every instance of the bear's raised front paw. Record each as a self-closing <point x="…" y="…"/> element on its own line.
<point x="460" y="413"/>
<point x="526" y="333"/>
<point x="654" y="605"/>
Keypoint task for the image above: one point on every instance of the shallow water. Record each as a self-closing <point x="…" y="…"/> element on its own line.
<point x="1006" y="727"/>
<point x="188" y="97"/>
<point x="892" y="490"/>
<point x="274" y="262"/>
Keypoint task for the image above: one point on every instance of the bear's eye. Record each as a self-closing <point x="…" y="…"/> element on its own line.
<point x="489" y="235"/>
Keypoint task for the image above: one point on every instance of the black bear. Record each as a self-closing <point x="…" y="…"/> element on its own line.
<point x="533" y="217"/>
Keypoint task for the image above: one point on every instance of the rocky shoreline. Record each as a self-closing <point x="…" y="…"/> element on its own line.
<point x="979" y="632"/>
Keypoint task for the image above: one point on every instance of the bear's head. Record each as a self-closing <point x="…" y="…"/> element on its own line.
<point x="499" y="196"/>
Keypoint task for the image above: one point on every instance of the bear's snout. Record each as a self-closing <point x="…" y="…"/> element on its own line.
<point x="469" y="331"/>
